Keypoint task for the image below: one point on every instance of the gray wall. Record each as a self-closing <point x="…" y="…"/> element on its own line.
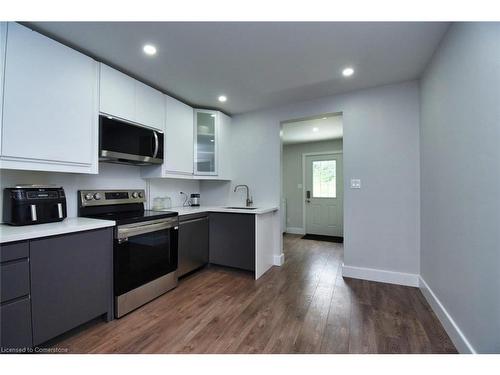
<point x="292" y="176"/>
<point x="381" y="147"/>
<point x="460" y="180"/>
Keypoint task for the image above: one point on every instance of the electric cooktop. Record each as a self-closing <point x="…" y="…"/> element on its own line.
<point x="122" y="206"/>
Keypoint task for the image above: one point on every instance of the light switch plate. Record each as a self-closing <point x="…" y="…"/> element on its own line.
<point x="355" y="183"/>
<point x="299" y="186"/>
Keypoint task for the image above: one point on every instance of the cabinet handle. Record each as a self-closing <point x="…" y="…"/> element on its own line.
<point x="155" y="152"/>
<point x="125" y="232"/>
<point x="192" y="220"/>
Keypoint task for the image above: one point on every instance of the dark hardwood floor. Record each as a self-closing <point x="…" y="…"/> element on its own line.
<point x="305" y="306"/>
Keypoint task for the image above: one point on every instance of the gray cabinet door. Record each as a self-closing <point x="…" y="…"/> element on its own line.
<point x="71" y="279"/>
<point x="193" y="244"/>
<point x="15" y="309"/>
<point x="15" y="279"/>
<point x="13" y="251"/>
<point x="15" y="319"/>
<point x="232" y="240"/>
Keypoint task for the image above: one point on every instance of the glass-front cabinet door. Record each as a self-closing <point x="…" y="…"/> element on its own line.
<point x="205" y="150"/>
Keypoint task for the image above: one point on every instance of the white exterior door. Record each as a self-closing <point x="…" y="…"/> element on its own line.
<point x="324" y="195"/>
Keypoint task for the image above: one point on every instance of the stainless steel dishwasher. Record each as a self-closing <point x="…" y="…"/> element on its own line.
<point x="193" y="243"/>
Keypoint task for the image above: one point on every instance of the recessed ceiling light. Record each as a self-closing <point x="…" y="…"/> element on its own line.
<point x="149" y="49"/>
<point x="347" y="72"/>
<point x="222" y="98"/>
<point x="315" y="130"/>
<point x="324" y="118"/>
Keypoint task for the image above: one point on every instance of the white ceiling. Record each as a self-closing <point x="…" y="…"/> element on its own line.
<point x="257" y="65"/>
<point x="328" y="127"/>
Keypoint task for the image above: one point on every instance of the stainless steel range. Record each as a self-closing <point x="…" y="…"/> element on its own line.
<point x="145" y="245"/>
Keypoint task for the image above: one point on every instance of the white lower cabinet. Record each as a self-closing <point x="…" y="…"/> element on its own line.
<point x="50" y="109"/>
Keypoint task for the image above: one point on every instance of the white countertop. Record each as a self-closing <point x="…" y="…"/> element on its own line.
<point x="194" y="210"/>
<point x="10" y="233"/>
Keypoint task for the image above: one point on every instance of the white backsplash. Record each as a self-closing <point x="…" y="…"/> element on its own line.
<point x="111" y="176"/>
<point x="217" y="193"/>
<point x="171" y="188"/>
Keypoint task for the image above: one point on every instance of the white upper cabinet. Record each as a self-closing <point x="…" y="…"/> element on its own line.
<point x="3" y="42"/>
<point x="179" y="137"/>
<point x="224" y="137"/>
<point x="178" y="143"/>
<point x="212" y="145"/>
<point x="197" y="144"/>
<point x="125" y="97"/>
<point x="149" y="106"/>
<point x="117" y="93"/>
<point x="205" y="142"/>
<point x="50" y="108"/>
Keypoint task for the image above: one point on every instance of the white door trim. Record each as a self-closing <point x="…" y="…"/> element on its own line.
<point x="304" y="155"/>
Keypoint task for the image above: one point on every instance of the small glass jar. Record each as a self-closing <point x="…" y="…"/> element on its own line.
<point x="162" y="203"/>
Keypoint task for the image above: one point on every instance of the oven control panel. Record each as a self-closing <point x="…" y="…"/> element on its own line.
<point x="108" y="197"/>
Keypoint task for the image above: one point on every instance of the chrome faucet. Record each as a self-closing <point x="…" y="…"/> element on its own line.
<point x="249" y="198"/>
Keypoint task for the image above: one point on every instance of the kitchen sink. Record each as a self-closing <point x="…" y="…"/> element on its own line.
<point x="241" y="208"/>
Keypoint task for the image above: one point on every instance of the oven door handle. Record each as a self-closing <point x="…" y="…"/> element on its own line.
<point x="124" y="233"/>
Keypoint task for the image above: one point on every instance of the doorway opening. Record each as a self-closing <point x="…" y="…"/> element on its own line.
<point x="312" y="177"/>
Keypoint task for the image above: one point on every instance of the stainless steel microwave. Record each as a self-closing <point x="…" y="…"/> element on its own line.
<point x="126" y="143"/>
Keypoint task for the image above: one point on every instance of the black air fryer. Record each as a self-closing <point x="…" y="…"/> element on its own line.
<point x="33" y="204"/>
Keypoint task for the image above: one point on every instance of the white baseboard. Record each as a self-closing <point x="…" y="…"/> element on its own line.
<point x="456" y="335"/>
<point x="294" y="230"/>
<point x="372" y="274"/>
<point x="452" y="329"/>
<point x="279" y="259"/>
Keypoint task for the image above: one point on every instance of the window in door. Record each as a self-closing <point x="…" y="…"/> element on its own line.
<point x="324" y="179"/>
